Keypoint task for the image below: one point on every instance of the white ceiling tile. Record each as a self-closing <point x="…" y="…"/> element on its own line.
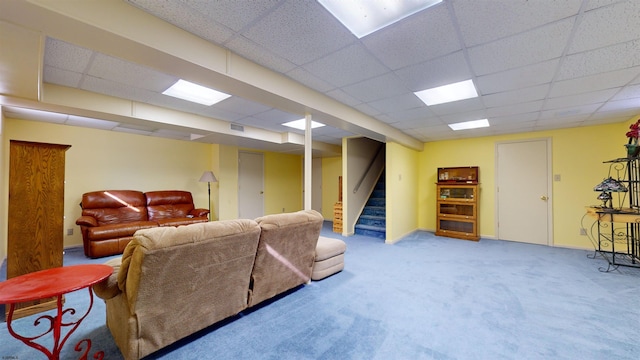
<point x="626" y="114"/>
<point x="346" y="66"/>
<point x="418" y="113"/>
<point x="397" y="103"/>
<point x="405" y="43"/>
<point x="514" y="119"/>
<point x="615" y="57"/>
<point x="551" y="123"/>
<point x="606" y="26"/>
<point x="465" y="116"/>
<point x="376" y="88"/>
<point x="595" y="97"/>
<point x="366" y="109"/>
<point x="515" y="109"/>
<point x="129" y="74"/>
<point x="628" y="104"/>
<point x="516" y="96"/>
<point x="304" y="77"/>
<point x="233" y="14"/>
<point x="441" y="71"/>
<point x="62" y="55"/>
<point x="260" y="55"/>
<point x="486" y="21"/>
<point x="241" y="106"/>
<point x="345" y="98"/>
<point x="596" y="82"/>
<point x="417" y="123"/>
<point x="629" y="92"/>
<point x="531" y="75"/>
<point x="62" y="77"/>
<point x="537" y="45"/>
<point x="570" y="112"/>
<point x="301" y="31"/>
<point x="116" y="89"/>
<point x="186" y="18"/>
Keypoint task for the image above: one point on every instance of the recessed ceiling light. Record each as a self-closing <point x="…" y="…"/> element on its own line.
<point x="470" y="124"/>
<point x="448" y="93"/>
<point x="362" y="17"/>
<point x="189" y="91"/>
<point x="302" y="124"/>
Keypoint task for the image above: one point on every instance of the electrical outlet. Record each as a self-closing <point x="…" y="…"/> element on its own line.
<point x="583" y="231"/>
<point x="70" y="231"/>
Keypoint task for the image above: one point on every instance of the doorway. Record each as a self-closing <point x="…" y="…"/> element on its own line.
<point x="523" y="191"/>
<point x="250" y="185"/>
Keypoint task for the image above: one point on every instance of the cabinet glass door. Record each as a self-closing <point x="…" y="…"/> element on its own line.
<point x="449" y="209"/>
<point x="457" y="193"/>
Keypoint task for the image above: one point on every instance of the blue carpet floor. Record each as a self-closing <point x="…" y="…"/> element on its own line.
<point x="425" y="297"/>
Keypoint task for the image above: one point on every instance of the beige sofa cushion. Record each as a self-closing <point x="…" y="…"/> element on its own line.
<point x="199" y="272"/>
<point x="285" y="254"/>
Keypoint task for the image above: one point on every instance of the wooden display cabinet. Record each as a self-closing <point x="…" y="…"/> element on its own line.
<point x="457" y="203"/>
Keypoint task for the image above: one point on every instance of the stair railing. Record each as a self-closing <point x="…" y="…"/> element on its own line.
<point x="364" y="175"/>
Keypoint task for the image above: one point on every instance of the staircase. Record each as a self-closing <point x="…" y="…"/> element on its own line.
<point x="373" y="220"/>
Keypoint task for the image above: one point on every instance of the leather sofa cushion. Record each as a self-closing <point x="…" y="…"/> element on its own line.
<point x="169" y="204"/>
<point x="115" y="206"/>
<point x="118" y="230"/>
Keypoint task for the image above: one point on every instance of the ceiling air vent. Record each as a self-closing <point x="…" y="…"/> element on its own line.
<point x="237" y="127"/>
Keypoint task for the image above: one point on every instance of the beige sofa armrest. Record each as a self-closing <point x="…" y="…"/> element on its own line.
<point x="108" y="288"/>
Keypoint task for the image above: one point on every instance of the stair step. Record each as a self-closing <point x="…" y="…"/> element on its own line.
<point x="376" y="202"/>
<point x="372" y="220"/>
<point x="372" y="231"/>
<point x="374" y="210"/>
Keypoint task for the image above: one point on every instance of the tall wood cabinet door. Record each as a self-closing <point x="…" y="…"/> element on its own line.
<point x="36" y="212"/>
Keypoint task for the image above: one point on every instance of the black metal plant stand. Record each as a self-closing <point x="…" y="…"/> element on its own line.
<point x="618" y="234"/>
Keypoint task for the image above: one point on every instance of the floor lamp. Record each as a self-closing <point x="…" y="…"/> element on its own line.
<point x="208" y="177"/>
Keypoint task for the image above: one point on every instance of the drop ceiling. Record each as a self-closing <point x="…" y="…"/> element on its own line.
<point x="537" y="65"/>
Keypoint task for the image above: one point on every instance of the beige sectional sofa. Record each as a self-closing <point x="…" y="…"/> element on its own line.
<point x="171" y="282"/>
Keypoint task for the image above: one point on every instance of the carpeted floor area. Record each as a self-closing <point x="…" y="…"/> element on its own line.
<point x="425" y="297"/>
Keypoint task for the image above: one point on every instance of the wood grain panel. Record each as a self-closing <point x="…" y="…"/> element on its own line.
<point x="36" y="212"/>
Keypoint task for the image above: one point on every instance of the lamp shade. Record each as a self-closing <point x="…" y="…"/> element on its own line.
<point x="208" y="176"/>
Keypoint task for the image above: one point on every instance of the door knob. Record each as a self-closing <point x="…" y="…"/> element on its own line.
<point x="544" y="198"/>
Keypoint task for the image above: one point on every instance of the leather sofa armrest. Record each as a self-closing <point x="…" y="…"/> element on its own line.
<point x="108" y="288"/>
<point x="199" y="212"/>
<point x="87" y="221"/>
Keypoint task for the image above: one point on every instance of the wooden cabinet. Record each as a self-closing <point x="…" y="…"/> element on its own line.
<point x="457" y="203"/>
<point x="36" y="213"/>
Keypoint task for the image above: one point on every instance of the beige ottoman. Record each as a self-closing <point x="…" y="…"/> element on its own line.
<point x="329" y="257"/>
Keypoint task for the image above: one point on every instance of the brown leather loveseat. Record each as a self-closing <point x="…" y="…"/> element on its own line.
<point x="111" y="217"/>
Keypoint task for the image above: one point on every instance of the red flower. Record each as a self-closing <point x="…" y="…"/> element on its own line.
<point x="634" y="133"/>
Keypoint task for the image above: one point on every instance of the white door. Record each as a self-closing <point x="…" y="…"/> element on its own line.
<point x="523" y="191"/>
<point x="250" y="185"/>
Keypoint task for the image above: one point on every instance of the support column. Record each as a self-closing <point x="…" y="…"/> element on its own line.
<point x="308" y="162"/>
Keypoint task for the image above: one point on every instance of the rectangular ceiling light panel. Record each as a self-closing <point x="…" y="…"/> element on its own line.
<point x="363" y="17"/>
<point x="189" y="91"/>
<point x="470" y="124"/>
<point x="448" y="93"/>
<point x="302" y="124"/>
